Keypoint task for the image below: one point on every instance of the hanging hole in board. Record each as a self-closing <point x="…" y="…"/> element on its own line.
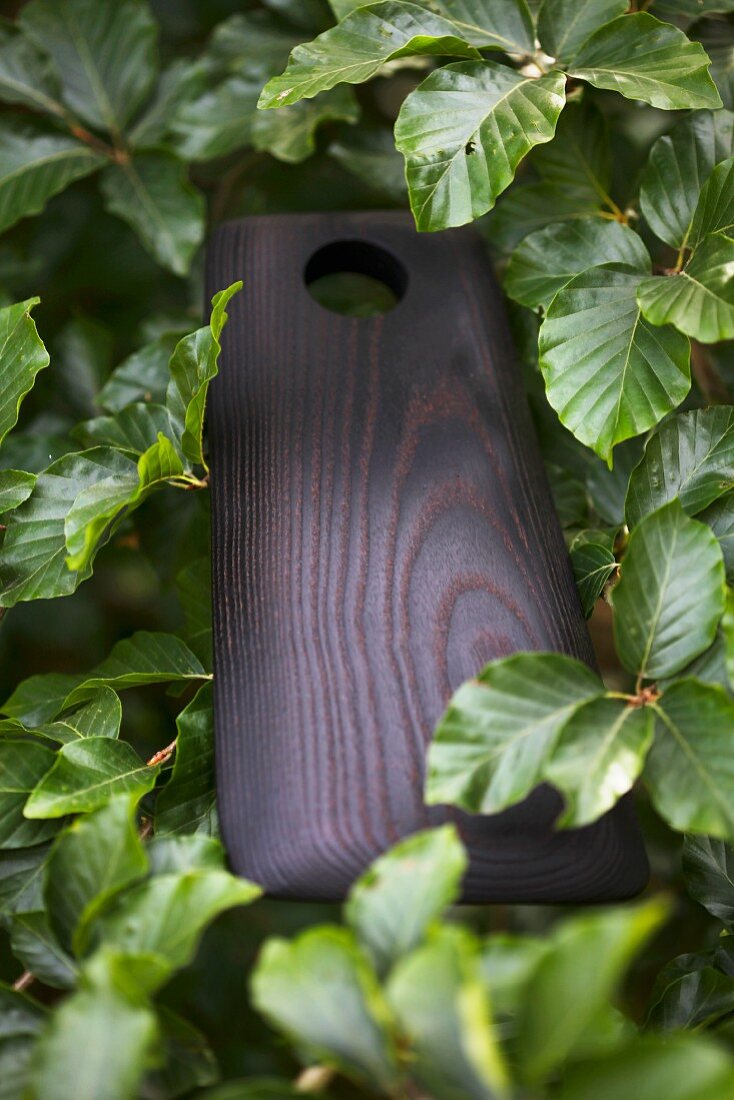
<point x="355" y="278"/>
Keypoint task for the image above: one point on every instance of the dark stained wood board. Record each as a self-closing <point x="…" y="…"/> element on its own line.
<point x="382" y="527"/>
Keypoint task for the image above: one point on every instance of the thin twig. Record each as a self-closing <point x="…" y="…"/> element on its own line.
<point x="24" y="981"/>
<point x="163" y="755"/>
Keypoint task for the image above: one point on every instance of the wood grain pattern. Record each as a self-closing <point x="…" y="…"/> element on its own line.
<point x="382" y="528"/>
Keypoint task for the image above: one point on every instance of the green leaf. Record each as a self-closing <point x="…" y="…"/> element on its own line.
<point x="677" y="1067"/>
<point x="22" y="765"/>
<point x="564" y="25"/>
<point x="708" y="869"/>
<point x="679" y="165"/>
<point x="195" y="851"/>
<point x="103" y="86"/>
<point x="320" y="990"/>
<point x="714" y="212"/>
<point x="252" y="43"/>
<point x="670" y="595"/>
<point x="36" y="164"/>
<point x="569" y="496"/>
<point x="442" y="1006"/>
<point x="699" y="300"/>
<point x="166" y="915"/>
<point x="37" y="949"/>
<point x="261" y="1088"/>
<point x="99" y="1042"/>
<point x="38" y="699"/>
<point x="545" y="261"/>
<point x="598" y="756"/>
<point x="689" y="769"/>
<point x="290" y="133"/>
<point x="32" y="558"/>
<point x="219" y="121"/>
<point x="100" y="717"/>
<point x="189" y="1060"/>
<point x="357" y="48"/>
<point x="134" y="429"/>
<point x="192" y="367"/>
<point x="574" y="980"/>
<point x="187" y="804"/>
<point x="464" y="131"/>
<point x="717" y="38"/>
<point x="86" y="775"/>
<point x="194" y="590"/>
<point x="593" y="561"/>
<point x="98" y="509"/>
<point x="152" y="194"/>
<point x="22" y="356"/>
<point x="607" y="488"/>
<point x="95" y="858"/>
<point x="686" y="10"/>
<point x="21" y="879"/>
<point x="369" y="153"/>
<point x="689" y="458"/>
<point x="26" y="76"/>
<point x="690" y="993"/>
<point x="19" y="1014"/>
<point x="143" y="376"/>
<point x="506" y="26"/>
<point x="720" y="518"/>
<point x="490" y="746"/>
<point x="179" y="82"/>
<point x="145" y="657"/>
<point x="393" y="903"/>
<point x="642" y="58"/>
<point x="609" y="373"/>
<point x="15" y="487"/>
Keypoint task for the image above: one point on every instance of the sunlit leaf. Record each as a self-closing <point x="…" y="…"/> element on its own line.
<point x="192" y="367"/>
<point x="463" y="132"/>
<point x="357" y="48"/>
<point x="86" y="774"/>
<point x="599" y="754"/>
<point x="490" y="747"/>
